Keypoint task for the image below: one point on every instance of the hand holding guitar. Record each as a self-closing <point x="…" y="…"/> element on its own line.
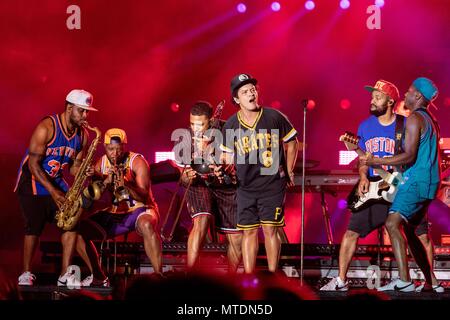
<point x="363" y="186"/>
<point x="370" y="190"/>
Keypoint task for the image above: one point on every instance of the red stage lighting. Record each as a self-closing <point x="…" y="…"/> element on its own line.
<point x="276" y="104"/>
<point x="345" y="104"/>
<point x="311" y="105"/>
<point x="175" y="107"/>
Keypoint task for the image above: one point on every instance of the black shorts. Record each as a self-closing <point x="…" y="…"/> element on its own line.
<point x="37" y="210"/>
<point x="218" y="202"/>
<point x="254" y="211"/>
<point x="365" y="221"/>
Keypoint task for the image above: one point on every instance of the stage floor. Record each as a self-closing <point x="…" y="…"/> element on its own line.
<point x="47" y="292"/>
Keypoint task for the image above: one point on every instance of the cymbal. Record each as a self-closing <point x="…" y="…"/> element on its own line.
<point x="309" y="164"/>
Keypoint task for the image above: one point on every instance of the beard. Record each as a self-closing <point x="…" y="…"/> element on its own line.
<point x="378" y="113"/>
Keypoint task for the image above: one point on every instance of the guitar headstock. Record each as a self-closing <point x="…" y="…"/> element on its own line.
<point x="218" y="112"/>
<point x="215" y="119"/>
<point x="350" y="140"/>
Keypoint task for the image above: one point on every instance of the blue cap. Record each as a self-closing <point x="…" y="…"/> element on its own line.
<point x="426" y="87"/>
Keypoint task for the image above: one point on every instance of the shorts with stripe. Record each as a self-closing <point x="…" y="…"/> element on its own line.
<point x="217" y="202"/>
<point x="254" y="211"/>
<point x="411" y="202"/>
<point x="106" y="225"/>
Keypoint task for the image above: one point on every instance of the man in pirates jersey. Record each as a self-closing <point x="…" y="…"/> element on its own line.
<point x="126" y="178"/>
<point x="420" y="184"/>
<point x="57" y="142"/>
<point x="262" y="143"/>
<point x="207" y="199"/>
<point x="378" y="136"/>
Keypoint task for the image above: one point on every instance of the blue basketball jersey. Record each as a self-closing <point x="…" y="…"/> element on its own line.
<point x="377" y="139"/>
<point x="60" y="152"/>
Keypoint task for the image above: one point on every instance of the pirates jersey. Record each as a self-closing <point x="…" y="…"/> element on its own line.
<point x="258" y="150"/>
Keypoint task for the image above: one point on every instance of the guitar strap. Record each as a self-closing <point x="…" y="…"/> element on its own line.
<point x="399" y="137"/>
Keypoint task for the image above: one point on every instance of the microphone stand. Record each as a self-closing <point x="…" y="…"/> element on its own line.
<point x="305" y="104"/>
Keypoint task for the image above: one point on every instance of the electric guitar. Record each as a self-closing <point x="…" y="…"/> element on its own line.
<point x="381" y="189"/>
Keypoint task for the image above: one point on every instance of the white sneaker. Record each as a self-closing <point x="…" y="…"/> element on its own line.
<point x="70" y="278"/>
<point x="86" y="282"/>
<point x="100" y="283"/>
<point x="26" y="279"/>
<point x="436" y="288"/>
<point x="335" y="284"/>
<point x="398" y="285"/>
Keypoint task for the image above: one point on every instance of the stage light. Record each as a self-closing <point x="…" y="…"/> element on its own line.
<point x="276" y="104"/>
<point x="241" y="8"/>
<point x="345" y="104"/>
<point x="342" y="204"/>
<point x="310" y="5"/>
<point x="164" y="155"/>
<point x="379" y="3"/>
<point x="344" y="4"/>
<point x="311" y="104"/>
<point x="345" y="157"/>
<point x="275" y="6"/>
<point x="175" y="107"/>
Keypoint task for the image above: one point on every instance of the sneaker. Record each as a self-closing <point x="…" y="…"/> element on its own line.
<point x="69" y="279"/>
<point x="86" y="282"/>
<point x="436" y="288"/>
<point x="335" y="284"/>
<point x="100" y="283"/>
<point x="398" y="285"/>
<point x="26" y="279"/>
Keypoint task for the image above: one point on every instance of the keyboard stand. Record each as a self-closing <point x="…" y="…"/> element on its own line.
<point x="326" y="216"/>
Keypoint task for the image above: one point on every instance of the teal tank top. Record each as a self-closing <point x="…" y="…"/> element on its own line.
<point x="426" y="170"/>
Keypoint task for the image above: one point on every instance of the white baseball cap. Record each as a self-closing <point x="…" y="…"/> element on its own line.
<point x="81" y="98"/>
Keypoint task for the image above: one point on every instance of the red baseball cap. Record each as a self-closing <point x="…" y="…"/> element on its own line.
<point x="386" y="87"/>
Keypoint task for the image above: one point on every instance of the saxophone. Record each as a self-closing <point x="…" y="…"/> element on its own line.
<point x="70" y="211"/>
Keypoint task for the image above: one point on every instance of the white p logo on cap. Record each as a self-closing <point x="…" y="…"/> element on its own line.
<point x="243" y="77"/>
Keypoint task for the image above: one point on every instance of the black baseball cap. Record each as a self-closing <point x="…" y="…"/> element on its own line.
<point x="240" y="80"/>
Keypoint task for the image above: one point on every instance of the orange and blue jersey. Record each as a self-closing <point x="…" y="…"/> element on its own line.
<point x="60" y="152"/>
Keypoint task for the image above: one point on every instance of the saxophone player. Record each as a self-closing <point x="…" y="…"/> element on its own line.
<point x="58" y="141"/>
<point x="126" y="177"/>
